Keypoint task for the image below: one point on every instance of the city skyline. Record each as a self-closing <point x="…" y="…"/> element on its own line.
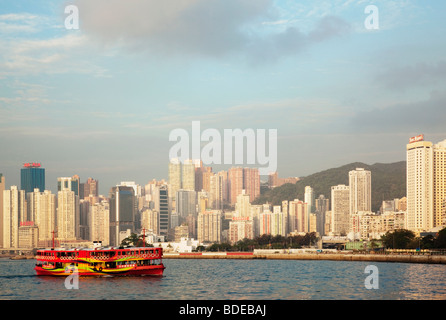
<point x="131" y="208"/>
<point x="101" y="101"/>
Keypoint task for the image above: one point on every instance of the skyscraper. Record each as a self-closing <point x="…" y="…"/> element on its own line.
<point x="67" y="209"/>
<point x="164" y="210"/>
<point x="174" y="181"/>
<point x="150" y="220"/>
<point x="439" y="181"/>
<point x="2" y="188"/>
<point x="251" y="182"/>
<point x="419" y="176"/>
<point x="209" y="226"/>
<point x="216" y="187"/>
<point x="340" y="209"/>
<point x="247" y="179"/>
<point x="32" y="176"/>
<point x="188" y="175"/>
<point x="186" y="203"/>
<point x="42" y="210"/>
<point x="99" y="224"/>
<point x="322" y="206"/>
<point x="122" y="212"/>
<point x="235" y="183"/>
<point x="360" y="183"/>
<point x="69" y="183"/>
<point x="90" y="187"/>
<point x="309" y="200"/>
<point x="297" y="216"/>
<point x="14" y="211"/>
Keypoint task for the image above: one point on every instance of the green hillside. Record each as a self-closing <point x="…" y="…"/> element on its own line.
<point x="388" y="182"/>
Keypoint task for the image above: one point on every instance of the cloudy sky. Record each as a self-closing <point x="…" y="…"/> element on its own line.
<point x="100" y="101"/>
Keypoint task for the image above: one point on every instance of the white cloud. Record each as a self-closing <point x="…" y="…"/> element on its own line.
<point x="209" y="28"/>
<point x="64" y="54"/>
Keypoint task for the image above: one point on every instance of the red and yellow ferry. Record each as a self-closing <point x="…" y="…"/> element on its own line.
<point x="133" y="261"/>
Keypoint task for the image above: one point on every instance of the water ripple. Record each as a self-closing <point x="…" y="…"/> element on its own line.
<point x="237" y="280"/>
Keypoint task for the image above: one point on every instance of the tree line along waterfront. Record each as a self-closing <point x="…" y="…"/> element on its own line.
<point x="397" y="239"/>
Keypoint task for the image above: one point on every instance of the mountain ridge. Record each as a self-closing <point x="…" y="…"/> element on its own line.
<point x="388" y="183"/>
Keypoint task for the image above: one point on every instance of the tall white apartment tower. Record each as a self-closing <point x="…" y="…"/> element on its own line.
<point x="419" y="180"/>
<point x="42" y="210"/>
<point x="67" y="211"/>
<point x="99" y="221"/>
<point x="309" y="200"/>
<point x="439" y="182"/>
<point x="243" y="206"/>
<point x="188" y="175"/>
<point x="14" y="212"/>
<point x="360" y="183"/>
<point x="340" y="209"/>
<point x="174" y="181"/>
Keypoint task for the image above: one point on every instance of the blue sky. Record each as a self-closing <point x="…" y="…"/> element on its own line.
<point x="101" y="101"/>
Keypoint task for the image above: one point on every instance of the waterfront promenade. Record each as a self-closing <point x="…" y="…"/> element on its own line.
<point x="369" y="257"/>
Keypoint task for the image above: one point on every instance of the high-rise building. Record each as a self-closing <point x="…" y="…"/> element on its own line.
<point x="235" y="183"/>
<point x="243" y="205"/>
<point x="340" y="209"/>
<point x="32" y="176"/>
<point x="309" y="200"/>
<point x="209" y="226"/>
<point x="14" y="211"/>
<point x="278" y="222"/>
<point x="285" y="211"/>
<point x="68" y="210"/>
<point x="251" y="182"/>
<point x="69" y="183"/>
<point x="2" y="188"/>
<point x="419" y="184"/>
<point x="247" y="179"/>
<point x="186" y="203"/>
<point x="99" y="222"/>
<point x="439" y="181"/>
<point x="188" y="175"/>
<point x="164" y="211"/>
<point x="216" y="191"/>
<point x="174" y="181"/>
<point x="207" y="174"/>
<point x="84" y="218"/>
<point x="360" y="183"/>
<point x="150" y="220"/>
<point x="42" y="210"/>
<point x="273" y="180"/>
<point x="265" y="222"/>
<point x="297" y="216"/>
<point x="122" y="212"/>
<point x="322" y="206"/>
<point x="90" y="187"/>
<point x="240" y="228"/>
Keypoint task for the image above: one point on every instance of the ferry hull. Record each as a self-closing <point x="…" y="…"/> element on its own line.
<point x="138" y="271"/>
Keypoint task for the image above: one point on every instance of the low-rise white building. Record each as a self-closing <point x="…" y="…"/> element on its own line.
<point x="185" y="245"/>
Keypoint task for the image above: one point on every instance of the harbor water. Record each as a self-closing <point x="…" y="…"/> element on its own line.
<point x="227" y="279"/>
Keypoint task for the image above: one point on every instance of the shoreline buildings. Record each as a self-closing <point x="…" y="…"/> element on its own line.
<point x="219" y="206"/>
<point x="426" y="184"/>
